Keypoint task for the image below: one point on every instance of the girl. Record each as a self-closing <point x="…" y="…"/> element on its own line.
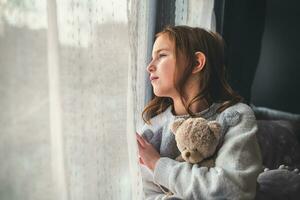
<point x="188" y="79"/>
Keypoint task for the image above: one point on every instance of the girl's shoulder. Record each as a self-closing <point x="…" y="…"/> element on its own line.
<point x="234" y="114"/>
<point x="238" y="109"/>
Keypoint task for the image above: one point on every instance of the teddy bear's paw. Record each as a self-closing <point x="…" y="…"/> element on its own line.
<point x="232" y="118"/>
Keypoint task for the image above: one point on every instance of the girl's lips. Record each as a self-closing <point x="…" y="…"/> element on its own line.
<point x="153" y="78"/>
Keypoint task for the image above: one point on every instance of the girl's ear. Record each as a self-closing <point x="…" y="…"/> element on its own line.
<point x="201" y="59"/>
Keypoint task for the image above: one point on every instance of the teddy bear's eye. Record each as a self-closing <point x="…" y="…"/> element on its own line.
<point x="195" y="149"/>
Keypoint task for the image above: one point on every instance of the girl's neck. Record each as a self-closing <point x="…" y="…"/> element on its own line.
<point x="192" y="88"/>
<point x="196" y="107"/>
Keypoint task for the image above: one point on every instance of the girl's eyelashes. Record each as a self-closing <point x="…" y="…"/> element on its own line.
<point x="161" y="55"/>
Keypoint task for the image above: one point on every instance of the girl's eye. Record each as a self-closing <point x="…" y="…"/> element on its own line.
<point x="161" y="55"/>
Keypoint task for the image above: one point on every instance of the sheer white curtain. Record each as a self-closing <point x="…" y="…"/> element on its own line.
<point x="73" y="86"/>
<point x="68" y="95"/>
<point x="141" y="19"/>
<point x="25" y="169"/>
<point x="197" y="13"/>
<point x="93" y="51"/>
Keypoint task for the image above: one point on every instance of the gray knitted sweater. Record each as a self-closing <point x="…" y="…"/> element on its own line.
<point x="237" y="165"/>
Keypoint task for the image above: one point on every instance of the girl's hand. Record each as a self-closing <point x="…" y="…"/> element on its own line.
<point x="148" y="154"/>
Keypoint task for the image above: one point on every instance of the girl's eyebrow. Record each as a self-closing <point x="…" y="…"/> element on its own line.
<point x="162" y="49"/>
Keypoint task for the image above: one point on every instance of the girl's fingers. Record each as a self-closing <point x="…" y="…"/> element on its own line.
<point x="144" y="141"/>
<point x="140" y="140"/>
<point x="140" y="147"/>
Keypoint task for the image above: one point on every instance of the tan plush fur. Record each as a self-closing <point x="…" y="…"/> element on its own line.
<point x="197" y="140"/>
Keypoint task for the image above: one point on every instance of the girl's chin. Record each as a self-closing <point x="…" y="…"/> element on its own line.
<point x="158" y="94"/>
<point x="161" y="93"/>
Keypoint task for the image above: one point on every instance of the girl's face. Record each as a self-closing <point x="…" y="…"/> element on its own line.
<point x="162" y="67"/>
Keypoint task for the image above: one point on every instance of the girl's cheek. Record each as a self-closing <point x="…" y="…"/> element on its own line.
<point x="162" y="61"/>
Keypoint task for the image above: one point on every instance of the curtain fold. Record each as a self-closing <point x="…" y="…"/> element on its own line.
<point x="197" y="13"/>
<point x="55" y="109"/>
<point x="141" y="21"/>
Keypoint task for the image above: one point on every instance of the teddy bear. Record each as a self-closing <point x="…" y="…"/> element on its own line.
<point x="197" y="140"/>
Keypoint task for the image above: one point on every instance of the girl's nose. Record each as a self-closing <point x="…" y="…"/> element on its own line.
<point x="150" y="67"/>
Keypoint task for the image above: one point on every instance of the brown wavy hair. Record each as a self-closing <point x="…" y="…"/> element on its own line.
<point x="213" y="84"/>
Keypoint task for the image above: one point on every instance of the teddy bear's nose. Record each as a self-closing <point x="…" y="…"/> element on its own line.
<point x="187" y="154"/>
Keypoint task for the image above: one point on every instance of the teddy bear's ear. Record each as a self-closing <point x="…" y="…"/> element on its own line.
<point x="215" y="127"/>
<point x="176" y="124"/>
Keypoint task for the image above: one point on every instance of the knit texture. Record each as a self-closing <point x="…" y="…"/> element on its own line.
<point x="237" y="166"/>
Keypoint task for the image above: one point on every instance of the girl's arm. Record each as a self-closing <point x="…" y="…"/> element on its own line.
<point x="151" y="190"/>
<point x="237" y="166"/>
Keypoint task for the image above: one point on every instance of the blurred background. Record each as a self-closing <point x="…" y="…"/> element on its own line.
<point x="73" y="84"/>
